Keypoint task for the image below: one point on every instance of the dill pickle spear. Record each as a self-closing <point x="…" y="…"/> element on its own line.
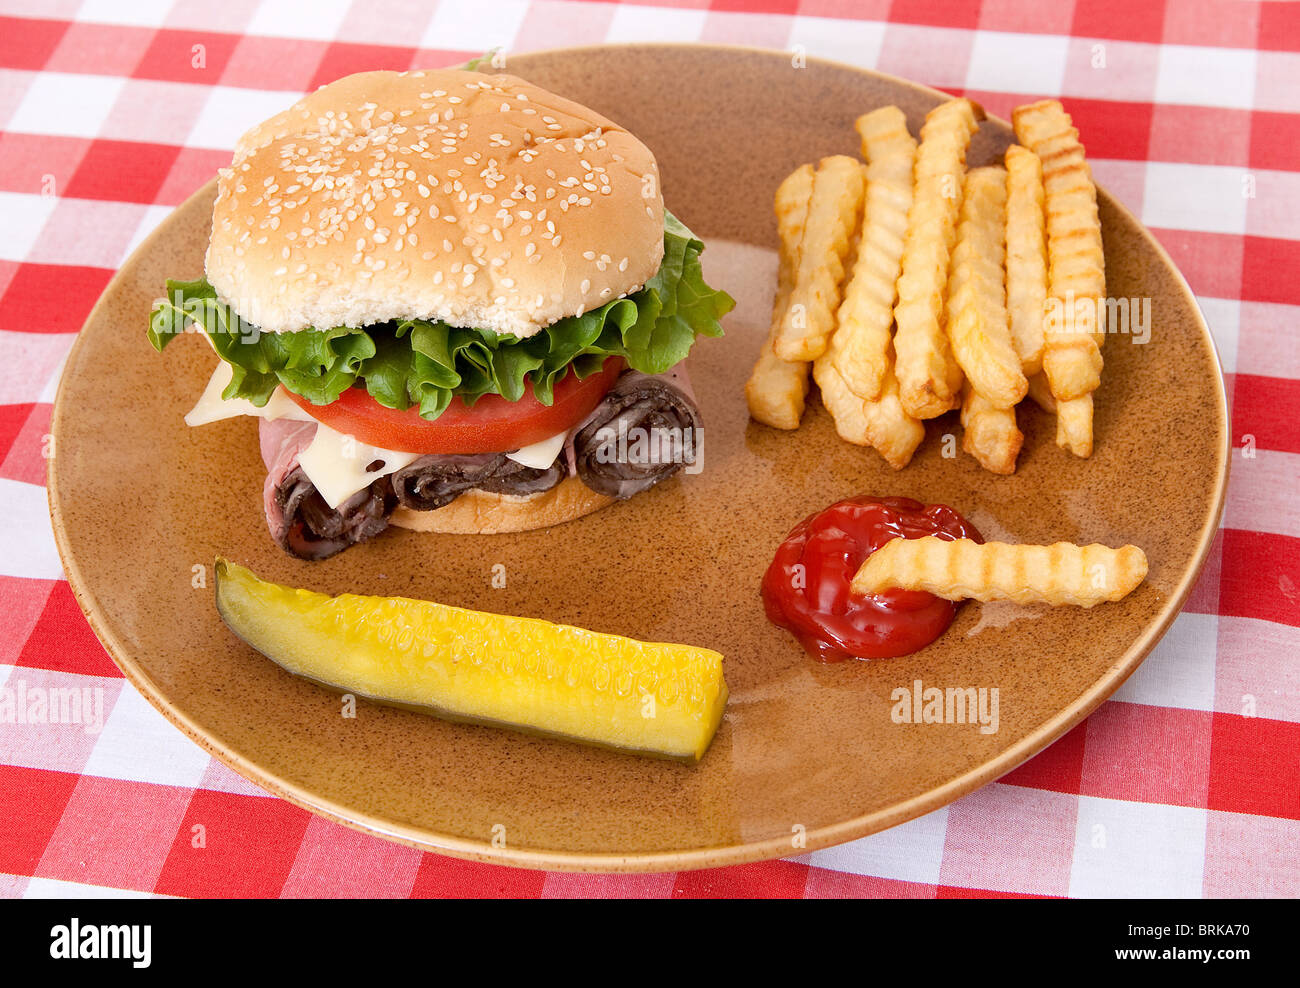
<point x="521" y="673"/>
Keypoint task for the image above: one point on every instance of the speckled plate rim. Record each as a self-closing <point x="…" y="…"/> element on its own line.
<point x="710" y="857"/>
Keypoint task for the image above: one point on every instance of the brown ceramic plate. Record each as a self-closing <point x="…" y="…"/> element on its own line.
<point x="139" y="500"/>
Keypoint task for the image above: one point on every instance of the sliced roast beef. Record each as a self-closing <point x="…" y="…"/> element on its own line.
<point x="645" y="430"/>
<point x="435" y="480"/>
<point x="300" y="521"/>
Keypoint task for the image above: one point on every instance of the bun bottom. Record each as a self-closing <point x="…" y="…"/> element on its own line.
<point x="483" y="513"/>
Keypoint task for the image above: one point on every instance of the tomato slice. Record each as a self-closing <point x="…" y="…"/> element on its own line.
<point x="491" y="425"/>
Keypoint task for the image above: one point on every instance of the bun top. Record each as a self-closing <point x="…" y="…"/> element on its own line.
<point x="480" y="200"/>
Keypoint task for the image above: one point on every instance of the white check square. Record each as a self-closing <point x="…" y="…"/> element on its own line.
<point x="1223" y="316"/>
<point x="66" y="105"/>
<point x="1194" y="76"/>
<point x="316" y="19"/>
<point x="910" y="852"/>
<point x="1003" y="62"/>
<point x="472" y="25"/>
<point x="229" y="113"/>
<point x="137" y="13"/>
<point x="636" y="23"/>
<point x="140" y="745"/>
<point x="1179" y="672"/>
<point x="1126" y="850"/>
<point x="1204" y="198"/>
<point x="26" y="533"/>
<point x="854" y="42"/>
<point x="22" y="217"/>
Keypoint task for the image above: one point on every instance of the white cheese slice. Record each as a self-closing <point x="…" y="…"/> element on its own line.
<point x="540" y="455"/>
<point x="211" y="407"/>
<point x="337" y="464"/>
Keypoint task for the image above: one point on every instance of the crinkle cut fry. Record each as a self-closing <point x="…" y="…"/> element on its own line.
<point x="1076" y="269"/>
<point x="777" y="388"/>
<point x="1026" y="255"/>
<point x="866" y="316"/>
<point x="1063" y="573"/>
<point x="977" y="322"/>
<point x="833" y="213"/>
<point x="929" y="378"/>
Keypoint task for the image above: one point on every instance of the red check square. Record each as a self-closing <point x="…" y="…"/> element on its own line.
<point x="123" y="171"/>
<point x="1261" y="577"/>
<point x="1110" y="128"/>
<point x="1267" y="410"/>
<point x="63" y="642"/>
<point x="572" y="885"/>
<point x="1057" y="768"/>
<point x="1253" y="767"/>
<point x="12" y="419"/>
<point x="441" y="877"/>
<point x="27" y="43"/>
<point x="1122" y="19"/>
<point x="1273" y="140"/>
<point x="952" y="892"/>
<point x="756" y="6"/>
<point x="1279" y="27"/>
<point x="23" y="454"/>
<point x="342" y="58"/>
<point x="31" y="805"/>
<point x="762" y="879"/>
<point x="937" y="13"/>
<point x="28" y="302"/>
<point x="233" y="846"/>
<point x="187" y="56"/>
<point x="1268" y="270"/>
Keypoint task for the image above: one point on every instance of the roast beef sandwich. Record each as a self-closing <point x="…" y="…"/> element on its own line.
<point x="456" y="303"/>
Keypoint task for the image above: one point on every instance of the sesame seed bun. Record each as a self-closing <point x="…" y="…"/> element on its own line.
<point x="480" y="200"/>
<point x="483" y="513"/>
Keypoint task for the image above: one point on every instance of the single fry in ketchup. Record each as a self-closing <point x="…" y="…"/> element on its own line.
<point x="777" y="388"/>
<point x="806" y="588"/>
<point x="1063" y="573"/>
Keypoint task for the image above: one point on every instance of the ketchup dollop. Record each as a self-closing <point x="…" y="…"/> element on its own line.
<point x="806" y="588"/>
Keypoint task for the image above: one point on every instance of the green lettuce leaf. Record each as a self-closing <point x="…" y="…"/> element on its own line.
<point x="424" y="363"/>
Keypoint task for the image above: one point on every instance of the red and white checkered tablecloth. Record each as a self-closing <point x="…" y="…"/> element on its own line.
<point x="1186" y="783"/>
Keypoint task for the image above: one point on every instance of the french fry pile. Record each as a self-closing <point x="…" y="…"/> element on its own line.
<point x="911" y="286"/>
